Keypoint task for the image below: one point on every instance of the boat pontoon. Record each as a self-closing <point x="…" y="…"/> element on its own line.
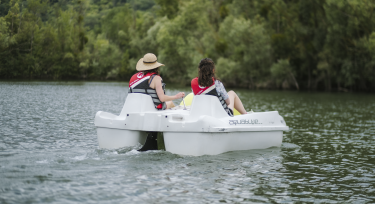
<point x="203" y="129"/>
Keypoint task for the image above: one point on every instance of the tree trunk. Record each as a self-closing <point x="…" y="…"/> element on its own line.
<point x="252" y="82"/>
<point x="278" y="23"/>
<point x="309" y="81"/>
<point x="19" y="26"/>
<point x="31" y="42"/>
<point x="294" y="80"/>
<point x="11" y="33"/>
<point x="328" y="83"/>
<point x="320" y="78"/>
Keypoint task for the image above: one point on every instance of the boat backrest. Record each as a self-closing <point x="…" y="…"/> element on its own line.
<point x="137" y="103"/>
<point x="207" y="105"/>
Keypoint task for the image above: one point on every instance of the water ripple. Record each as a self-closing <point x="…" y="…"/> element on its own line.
<point x="49" y="152"/>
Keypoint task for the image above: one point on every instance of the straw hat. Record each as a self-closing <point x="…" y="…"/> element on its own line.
<point x="149" y="61"/>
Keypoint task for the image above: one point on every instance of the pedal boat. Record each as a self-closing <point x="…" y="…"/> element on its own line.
<point x="204" y="129"/>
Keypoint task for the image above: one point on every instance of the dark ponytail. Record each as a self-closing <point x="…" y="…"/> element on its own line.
<point x="206" y="72"/>
<point x="156" y="71"/>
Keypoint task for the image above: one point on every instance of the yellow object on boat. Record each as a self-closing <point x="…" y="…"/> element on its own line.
<point x="189" y="99"/>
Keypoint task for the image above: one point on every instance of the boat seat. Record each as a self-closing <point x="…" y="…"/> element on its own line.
<point x="137" y="103"/>
<point x="207" y="105"/>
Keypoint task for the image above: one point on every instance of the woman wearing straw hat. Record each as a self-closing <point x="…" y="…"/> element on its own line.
<point x="208" y="84"/>
<point x="148" y="81"/>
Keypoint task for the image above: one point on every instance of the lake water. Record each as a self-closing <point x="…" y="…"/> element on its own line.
<point x="49" y="151"/>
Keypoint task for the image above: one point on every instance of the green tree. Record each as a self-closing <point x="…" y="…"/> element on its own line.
<point x="169" y="8"/>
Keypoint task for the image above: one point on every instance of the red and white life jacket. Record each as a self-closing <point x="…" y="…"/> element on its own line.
<point x="139" y="83"/>
<point x="209" y="90"/>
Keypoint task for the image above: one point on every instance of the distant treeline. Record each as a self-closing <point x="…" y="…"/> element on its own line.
<point x="276" y="44"/>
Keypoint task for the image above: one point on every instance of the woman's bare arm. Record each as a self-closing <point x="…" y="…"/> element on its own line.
<point x="159" y="91"/>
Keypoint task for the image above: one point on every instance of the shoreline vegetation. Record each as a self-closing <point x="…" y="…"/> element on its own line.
<point x="173" y="85"/>
<point x="324" y="45"/>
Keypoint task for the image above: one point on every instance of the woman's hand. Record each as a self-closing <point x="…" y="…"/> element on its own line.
<point x="179" y="95"/>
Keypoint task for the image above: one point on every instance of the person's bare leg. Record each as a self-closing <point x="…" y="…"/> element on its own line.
<point x="231" y="95"/>
<point x="170" y="104"/>
<point x="235" y="102"/>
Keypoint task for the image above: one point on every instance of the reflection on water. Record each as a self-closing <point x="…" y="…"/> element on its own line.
<point x="49" y="151"/>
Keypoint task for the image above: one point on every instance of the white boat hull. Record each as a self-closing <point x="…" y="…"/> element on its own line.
<point x="116" y="138"/>
<point x="205" y="128"/>
<point x="197" y="144"/>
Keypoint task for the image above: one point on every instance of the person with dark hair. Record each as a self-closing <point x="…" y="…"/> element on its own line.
<point x="148" y="81"/>
<point x="207" y="83"/>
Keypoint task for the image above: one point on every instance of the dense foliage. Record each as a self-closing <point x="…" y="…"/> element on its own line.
<point x="298" y="44"/>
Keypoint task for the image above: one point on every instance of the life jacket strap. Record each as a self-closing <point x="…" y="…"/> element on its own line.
<point x="143" y="87"/>
<point x="148" y="91"/>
